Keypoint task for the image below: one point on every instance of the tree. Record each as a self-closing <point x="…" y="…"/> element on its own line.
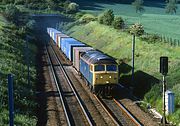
<point x="72" y="8"/>
<point x="171" y="7"/>
<point x="137" y="29"/>
<point x="138" y="4"/>
<point x="118" y="23"/>
<point x="106" y="18"/>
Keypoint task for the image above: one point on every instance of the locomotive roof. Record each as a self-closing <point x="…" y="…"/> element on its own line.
<point x="96" y="57"/>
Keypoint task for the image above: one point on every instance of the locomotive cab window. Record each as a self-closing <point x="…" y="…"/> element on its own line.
<point x="111" y="67"/>
<point x="99" y="68"/>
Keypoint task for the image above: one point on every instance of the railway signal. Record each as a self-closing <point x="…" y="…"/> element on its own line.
<point x="164" y="71"/>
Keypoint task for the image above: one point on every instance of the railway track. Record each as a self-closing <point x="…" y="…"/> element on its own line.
<point x="74" y="110"/>
<point x="133" y="119"/>
<point x="118" y="113"/>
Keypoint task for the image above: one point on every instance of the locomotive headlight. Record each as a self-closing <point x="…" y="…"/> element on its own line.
<point x="109" y="76"/>
<point x="101" y="76"/>
<point x="107" y="82"/>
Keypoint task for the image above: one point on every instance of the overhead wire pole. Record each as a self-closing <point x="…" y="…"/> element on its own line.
<point x="164" y="106"/>
<point x="133" y="51"/>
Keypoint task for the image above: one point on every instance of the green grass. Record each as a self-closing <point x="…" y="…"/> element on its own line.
<point x="154" y="19"/>
<point x="2" y="21"/>
<point x="118" y="44"/>
<point x="12" y="60"/>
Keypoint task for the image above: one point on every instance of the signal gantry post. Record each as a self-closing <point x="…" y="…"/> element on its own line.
<point x="164" y="71"/>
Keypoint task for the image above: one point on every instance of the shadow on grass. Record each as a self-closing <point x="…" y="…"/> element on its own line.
<point x="143" y="82"/>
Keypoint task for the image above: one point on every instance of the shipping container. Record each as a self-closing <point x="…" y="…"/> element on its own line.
<point x="69" y="48"/>
<point x="63" y="43"/>
<point x="53" y="33"/>
<point x="59" y="37"/>
<point x="77" y="51"/>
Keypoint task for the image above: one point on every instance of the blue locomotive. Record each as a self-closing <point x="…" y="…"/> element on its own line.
<point x="98" y="69"/>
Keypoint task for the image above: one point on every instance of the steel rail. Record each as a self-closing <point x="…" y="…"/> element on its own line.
<point x="136" y="122"/>
<point x="73" y="89"/>
<point x="115" y="120"/>
<point x="57" y="86"/>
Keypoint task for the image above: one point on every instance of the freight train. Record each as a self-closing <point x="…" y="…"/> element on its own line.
<point x="99" y="70"/>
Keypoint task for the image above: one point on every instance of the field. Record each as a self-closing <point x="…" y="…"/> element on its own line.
<point x="154" y="18"/>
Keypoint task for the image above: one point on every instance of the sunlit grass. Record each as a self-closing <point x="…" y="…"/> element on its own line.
<point x="118" y="44"/>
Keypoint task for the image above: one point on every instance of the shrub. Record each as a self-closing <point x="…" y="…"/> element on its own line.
<point x="108" y="17"/>
<point x="150" y="38"/>
<point x="72" y="8"/>
<point x="100" y="18"/>
<point x="118" y="23"/>
<point x="86" y="18"/>
<point x="137" y="29"/>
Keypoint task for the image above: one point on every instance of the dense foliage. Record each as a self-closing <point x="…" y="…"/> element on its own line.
<point x="106" y="18"/>
<point x="118" y="23"/>
<point x="137" y="29"/>
<point x="14" y="56"/>
<point x="72" y="8"/>
<point x="12" y="13"/>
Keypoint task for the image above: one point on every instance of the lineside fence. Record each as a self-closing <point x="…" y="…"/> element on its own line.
<point x="169" y="40"/>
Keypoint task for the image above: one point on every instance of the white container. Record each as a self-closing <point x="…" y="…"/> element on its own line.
<point x="169" y="102"/>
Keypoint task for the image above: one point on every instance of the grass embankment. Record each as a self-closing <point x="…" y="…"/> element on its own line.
<point x="13" y="60"/>
<point x="118" y="44"/>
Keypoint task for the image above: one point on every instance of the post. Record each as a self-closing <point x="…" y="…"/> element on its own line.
<point x="164" y="106"/>
<point x="133" y="50"/>
<point x="11" y="100"/>
<point x="164" y="71"/>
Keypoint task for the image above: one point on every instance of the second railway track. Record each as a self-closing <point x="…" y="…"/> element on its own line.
<point x="75" y="111"/>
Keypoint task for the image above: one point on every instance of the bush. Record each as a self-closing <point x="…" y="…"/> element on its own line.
<point x="86" y="18"/>
<point x="118" y="23"/>
<point x="150" y="38"/>
<point x="137" y="29"/>
<point x="72" y="8"/>
<point x="100" y="18"/>
<point x="107" y="17"/>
